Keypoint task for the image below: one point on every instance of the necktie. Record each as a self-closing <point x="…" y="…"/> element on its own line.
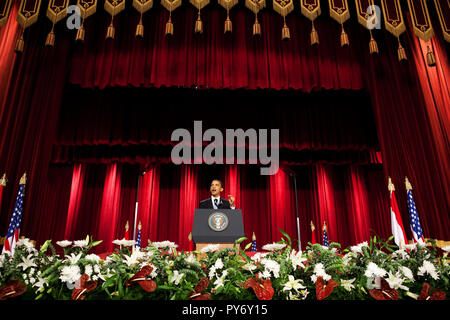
<point x="215" y="202"/>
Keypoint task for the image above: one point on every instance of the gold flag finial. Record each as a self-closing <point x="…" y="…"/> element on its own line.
<point x="312" y="226"/>
<point x="3" y="180"/>
<point x="139" y="226"/>
<point x="408" y="184"/>
<point x="253" y="236"/>
<point x="390" y="185"/>
<point x="23" y="180"/>
<point x="190" y="236"/>
<point x="127" y="226"/>
<point x="324" y="226"/>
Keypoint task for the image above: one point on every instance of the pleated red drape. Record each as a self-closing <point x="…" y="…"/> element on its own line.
<point x="76" y="192"/>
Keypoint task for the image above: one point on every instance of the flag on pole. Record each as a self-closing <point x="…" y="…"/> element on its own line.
<point x="253" y="243"/>
<point x="2" y="186"/>
<point x="191" y="243"/>
<point x="14" y="226"/>
<point x="127" y="233"/>
<point x="396" y="219"/>
<point x="414" y="220"/>
<point x="313" y="233"/>
<point x="325" y="235"/>
<point x="138" y="238"/>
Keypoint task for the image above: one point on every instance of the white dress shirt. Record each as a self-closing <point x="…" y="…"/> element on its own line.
<point x="218" y="201"/>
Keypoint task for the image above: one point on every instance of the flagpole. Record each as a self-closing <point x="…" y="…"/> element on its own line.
<point x="136" y="206"/>
<point x="296" y="212"/>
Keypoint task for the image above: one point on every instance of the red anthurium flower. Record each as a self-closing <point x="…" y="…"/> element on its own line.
<point x="83" y="286"/>
<point x="436" y="295"/>
<point x="141" y="278"/>
<point x="12" y="289"/>
<point x="262" y="288"/>
<point x="201" y="286"/>
<point x="385" y="293"/>
<point x="324" y="290"/>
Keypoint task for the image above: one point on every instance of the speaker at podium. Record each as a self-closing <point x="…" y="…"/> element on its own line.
<point x="217" y="226"/>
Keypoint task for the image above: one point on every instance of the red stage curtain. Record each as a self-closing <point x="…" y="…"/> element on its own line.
<point x="76" y="192"/>
<point x="359" y="217"/>
<point x="213" y="60"/>
<point x="148" y="204"/>
<point x="188" y="203"/>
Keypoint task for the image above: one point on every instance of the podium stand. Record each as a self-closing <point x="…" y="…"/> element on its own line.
<point x="217" y="226"/>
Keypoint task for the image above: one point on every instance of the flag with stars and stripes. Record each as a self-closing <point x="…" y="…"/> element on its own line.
<point x="325" y="236"/>
<point x="14" y="226"/>
<point x="138" y="239"/>
<point x="413" y="216"/>
<point x="253" y="249"/>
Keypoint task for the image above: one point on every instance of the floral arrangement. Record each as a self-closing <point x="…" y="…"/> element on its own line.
<point x="376" y="270"/>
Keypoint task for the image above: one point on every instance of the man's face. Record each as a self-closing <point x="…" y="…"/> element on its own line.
<point x="216" y="188"/>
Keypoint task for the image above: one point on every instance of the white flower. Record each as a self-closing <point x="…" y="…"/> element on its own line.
<point x="428" y="267"/>
<point x="446" y="249"/>
<point x="374" y="271"/>
<point x="210" y="248"/>
<point x="64" y="243"/>
<point x="319" y="271"/>
<point x="274" y="246"/>
<point x="191" y="259"/>
<point x="358" y="248"/>
<point x="407" y="272"/>
<point x="264" y="275"/>
<point x="220" y="280"/>
<point x="124" y="243"/>
<point x="70" y="274"/>
<point x="249" y="266"/>
<point x="97" y="268"/>
<point x="27" y="262"/>
<point x="297" y="260"/>
<point x="3" y="257"/>
<point x="347" y="257"/>
<point x="25" y="242"/>
<point x="258" y="256"/>
<point x="293" y="283"/>
<point x="165" y="244"/>
<point x="32" y="280"/>
<point x="219" y="264"/>
<point x="176" y="277"/>
<point x="396" y="281"/>
<point x="93" y="257"/>
<point x="81" y="243"/>
<point x="212" y="272"/>
<point x="134" y="258"/>
<point x="40" y="283"/>
<point x="348" y="284"/>
<point x="73" y="259"/>
<point x="271" y="266"/>
<point x="88" y="270"/>
<point x="401" y="253"/>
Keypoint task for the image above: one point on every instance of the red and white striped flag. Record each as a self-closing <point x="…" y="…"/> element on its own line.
<point x="398" y="231"/>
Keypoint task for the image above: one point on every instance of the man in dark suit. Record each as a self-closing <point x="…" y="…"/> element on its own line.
<point x="215" y="202"/>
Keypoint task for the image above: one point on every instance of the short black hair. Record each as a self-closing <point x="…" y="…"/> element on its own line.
<point x="221" y="183"/>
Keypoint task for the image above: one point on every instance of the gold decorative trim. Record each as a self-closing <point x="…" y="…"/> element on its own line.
<point x="114" y="7"/>
<point x="311" y="10"/>
<point x="171" y="4"/>
<point x="228" y="4"/>
<point x="363" y="16"/>
<point x="424" y="32"/>
<point x="340" y="14"/>
<point x="56" y="13"/>
<point x="87" y="7"/>
<point x="27" y="18"/>
<point x="255" y="5"/>
<point x="199" y="4"/>
<point x="394" y="27"/>
<point x="5" y="13"/>
<point x="445" y="23"/>
<point x="283" y="7"/>
<point x="142" y="6"/>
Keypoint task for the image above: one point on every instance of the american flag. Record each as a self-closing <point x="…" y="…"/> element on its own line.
<point x="253" y="243"/>
<point x="414" y="219"/>
<point x="325" y="237"/>
<point x="14" y="226"/>
<point x="138" y="239"/>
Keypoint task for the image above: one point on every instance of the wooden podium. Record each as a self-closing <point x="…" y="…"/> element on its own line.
<point x="217" y="226"/>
